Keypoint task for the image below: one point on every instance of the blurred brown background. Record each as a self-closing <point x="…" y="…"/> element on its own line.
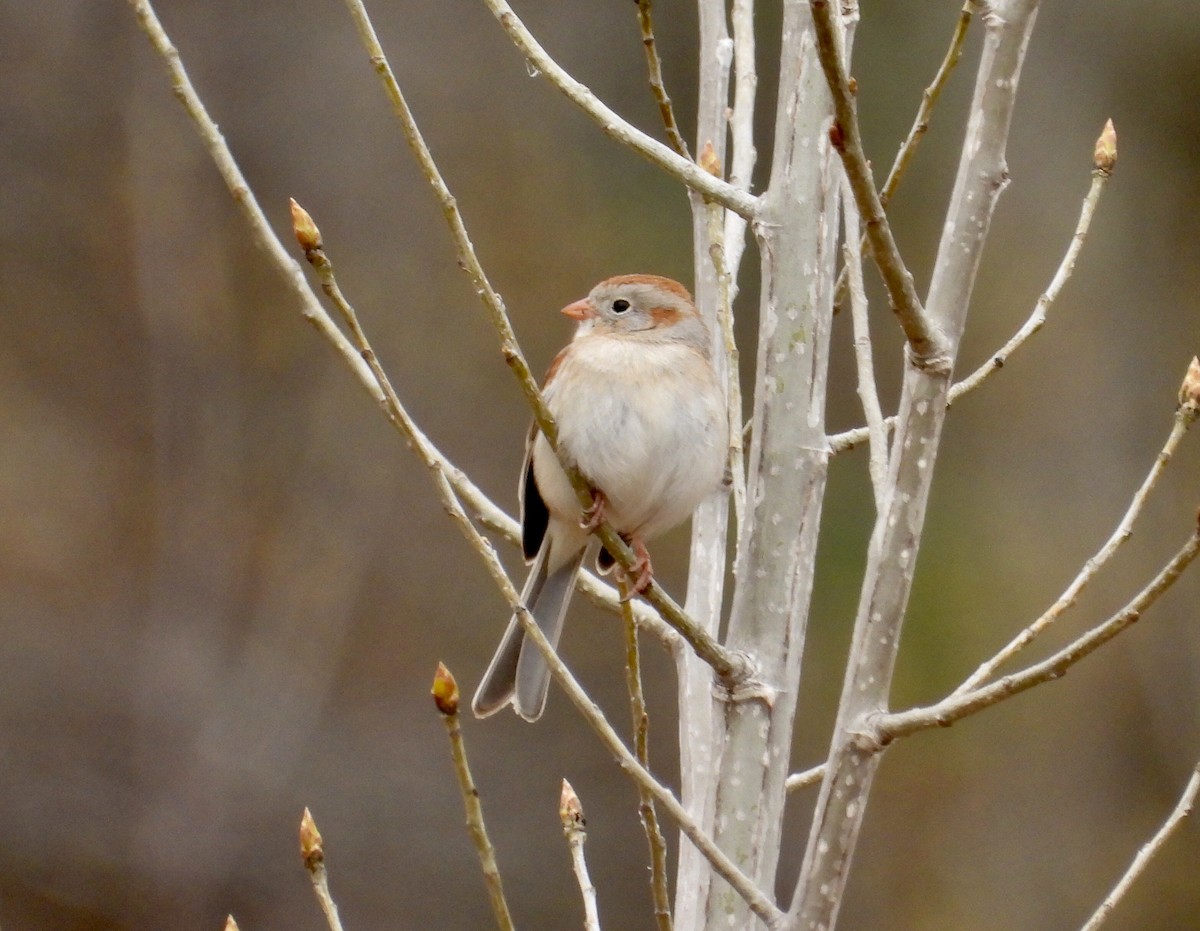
<point x="225" y="583"/>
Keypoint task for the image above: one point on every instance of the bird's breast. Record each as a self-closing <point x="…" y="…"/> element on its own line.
<point x="646" y="423"/>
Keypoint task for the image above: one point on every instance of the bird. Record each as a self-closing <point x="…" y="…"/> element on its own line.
<point x="641" y="414"/>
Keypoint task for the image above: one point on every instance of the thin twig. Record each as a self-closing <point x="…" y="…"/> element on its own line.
<point x="570" y="811"/>
<point x="1038" y="318"/>
<point x="445" y="697"/>
<point x="733" y="379"/>
<point x="312" y="851"/>
<point x="956" y="706"/>
<point x="808" y="777"/>
<point x="683" y="169"/>
<point x="654" y="67"/>
<point x="1183" y="419"/>
<point x="929" y="99"/>
<point x="868" y="392"/>
<point x="925" y="339"/>
<point x="741" y="141"/>
<point x="641" y="747"/>
<point x="840" y="442"/>
<point x="1182" y="809"/>
<point x="731" y="668"/>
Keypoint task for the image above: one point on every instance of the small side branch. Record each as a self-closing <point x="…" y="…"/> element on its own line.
<point x="641" y="747"/>
<point x="312" y="851"/>
<point x="920" y="126"/>
<point x="808" y="777"/>
<point x="925" y="339"/>
<point x="684" y="169"/>
<point x="570" y="811"/>
<point x="868" y="393"/>
<point x="958" y="706"/>
<point x="1101" y="172"/>
<point x="445" y="698"/>
<point x="929" y="99"/>
<point x="657" y="88"/>
<point x="1184" y="808"/>
<point x="1183" y="419"/>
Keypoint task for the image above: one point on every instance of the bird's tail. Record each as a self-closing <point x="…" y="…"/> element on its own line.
<point x="518" y="673"/>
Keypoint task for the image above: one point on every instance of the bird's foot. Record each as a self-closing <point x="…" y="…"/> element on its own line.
<point x="640" y="575"/>
<point x="593" y="516"/>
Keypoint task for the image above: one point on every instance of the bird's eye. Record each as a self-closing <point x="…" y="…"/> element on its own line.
<point x="620" y="306"/>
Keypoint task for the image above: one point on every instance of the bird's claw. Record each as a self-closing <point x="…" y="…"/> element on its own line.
<point x="593" y="516"/>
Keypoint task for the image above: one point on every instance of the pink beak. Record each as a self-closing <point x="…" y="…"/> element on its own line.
<point x="580" y="310"/>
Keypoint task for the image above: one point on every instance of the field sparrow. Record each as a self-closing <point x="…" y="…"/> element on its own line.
<point x="641" y="413"/>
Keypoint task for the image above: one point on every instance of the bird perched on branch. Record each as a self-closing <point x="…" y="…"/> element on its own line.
<point x="641" y="414"/>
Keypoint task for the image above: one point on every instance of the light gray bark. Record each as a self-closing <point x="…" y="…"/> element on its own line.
<point x="797" y="233"/>
<point x="891" y="559"/>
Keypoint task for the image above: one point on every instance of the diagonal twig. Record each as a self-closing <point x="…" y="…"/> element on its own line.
<point x="920" y="126"/>
<point x="445" y="698"/>
<point x="929" y="99"/>
<point x="684" y="169"/>
<point x="1182" y="809"/>
<point x="641" y="746"/>
<point x="488" y="513"/>
<point x="1090" y="569"/>
<point x="889" y="726"/>
<point x="654" y="67"/>
<point x="925" y="338"/>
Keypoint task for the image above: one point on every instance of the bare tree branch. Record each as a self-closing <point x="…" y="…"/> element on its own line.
<point x="927" y="342"/>
<point x="707" y="558"/>
<point x="1066" y="268"/>
<point x="641" y="747"/>
<point x="868" y="393"/>
<point x="807" y="777"/>
<point x="920" y="126"/>
<point x="685" y="170"/>
<point x="445" y="698"/>
<point x="489" y="514"/>
<point x="1184" y="417"/>
<point x="312" y="851"/>
<point x="657" y="88"/>
<point x="884" y="728"/>
<point x="929" y="99"/>
<point x="1182" y="809"/>
<point x="570" y="811"/>
<point x="741" y="134"/>
<point x="787" y="468"/>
